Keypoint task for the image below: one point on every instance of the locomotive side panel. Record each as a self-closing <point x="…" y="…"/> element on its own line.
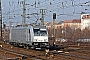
<point x="18" y="35"/>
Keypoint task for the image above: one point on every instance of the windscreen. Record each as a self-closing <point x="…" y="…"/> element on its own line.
<point x="38" y="32"/>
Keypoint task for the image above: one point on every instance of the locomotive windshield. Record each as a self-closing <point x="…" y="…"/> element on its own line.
<point x="38" y="32"/>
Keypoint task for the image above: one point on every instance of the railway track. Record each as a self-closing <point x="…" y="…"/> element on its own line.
<point x="24" y="54"/>
<point x="5" y="55"/>
<point x="81" y="53"/>
<point x="72" y="55"/>
<point x="77" y="56"/>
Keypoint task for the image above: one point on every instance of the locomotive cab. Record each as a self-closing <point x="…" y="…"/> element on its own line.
<point x="40" y="37"/>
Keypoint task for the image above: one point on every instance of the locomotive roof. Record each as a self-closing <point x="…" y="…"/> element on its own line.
<point x="35" y="27"/>
<point x="23" y="27"/>
<point x="42" y="27"/>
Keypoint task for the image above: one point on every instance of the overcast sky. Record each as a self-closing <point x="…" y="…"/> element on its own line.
<point x="64" y="9"/>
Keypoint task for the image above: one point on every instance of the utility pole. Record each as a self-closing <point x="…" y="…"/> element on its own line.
<point x="24" y="14"/>
<point x="42" y="11"/>
<point x="1" y="19"/>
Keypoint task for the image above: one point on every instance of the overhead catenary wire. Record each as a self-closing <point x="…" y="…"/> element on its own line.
<point x="50" y="5"/>
<point x="64" y="6"/>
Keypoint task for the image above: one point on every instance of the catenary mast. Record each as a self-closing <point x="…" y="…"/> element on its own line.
<point x="0" y="20"/>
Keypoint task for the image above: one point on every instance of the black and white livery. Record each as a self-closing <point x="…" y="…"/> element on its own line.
<point x="35" y="37"/>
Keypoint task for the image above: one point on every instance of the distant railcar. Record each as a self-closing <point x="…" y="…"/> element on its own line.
<point x="35" y="37"/>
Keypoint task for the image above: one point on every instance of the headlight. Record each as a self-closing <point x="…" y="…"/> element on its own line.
<point x="45" y="39"/>
<point x="35" y="39"/>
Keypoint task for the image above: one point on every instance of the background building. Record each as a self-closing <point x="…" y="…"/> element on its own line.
<point x="73" y="24"/>
<point x="85" y="21"/>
